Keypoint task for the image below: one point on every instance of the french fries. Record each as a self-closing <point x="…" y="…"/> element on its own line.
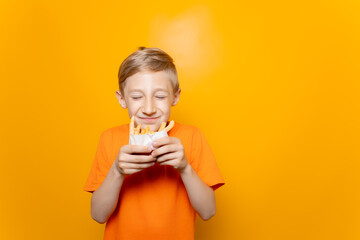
<point x="170" y="126"/>
<point x="137" y="130"/>
<point x="162" y="126"/>
<point x="141" y="131"/>
<point x="132" y="125"/>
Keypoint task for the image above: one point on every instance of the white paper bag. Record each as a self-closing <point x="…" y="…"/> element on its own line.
<point x="146" y="139"/>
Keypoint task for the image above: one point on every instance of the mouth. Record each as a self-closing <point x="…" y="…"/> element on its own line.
<point x="149" y="119"/>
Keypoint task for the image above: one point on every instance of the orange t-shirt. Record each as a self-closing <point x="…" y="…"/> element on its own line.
<point x="153" y="203"/>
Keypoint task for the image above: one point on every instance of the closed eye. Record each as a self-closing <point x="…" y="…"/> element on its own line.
<point x="136" y="97"/>
<point x="160" y="97"/>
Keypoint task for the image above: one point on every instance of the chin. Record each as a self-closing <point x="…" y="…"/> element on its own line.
<point x="154" y="128"/>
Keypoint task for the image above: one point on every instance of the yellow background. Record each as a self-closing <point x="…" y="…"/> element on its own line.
<point x="274" y="86"/>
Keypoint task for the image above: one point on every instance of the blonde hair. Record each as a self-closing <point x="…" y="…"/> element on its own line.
<point x="147" y="59"/>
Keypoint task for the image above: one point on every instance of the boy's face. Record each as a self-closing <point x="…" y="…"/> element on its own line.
<point x="149" y="97"/>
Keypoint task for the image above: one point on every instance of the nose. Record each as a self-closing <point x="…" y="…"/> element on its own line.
<point x="148" y="107"/>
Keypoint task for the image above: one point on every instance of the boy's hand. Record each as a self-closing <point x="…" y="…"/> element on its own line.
<point x="133" y="158"/>
<point x="170" y="151"/>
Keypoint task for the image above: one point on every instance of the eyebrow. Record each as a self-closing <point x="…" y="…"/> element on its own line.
<point x="135" y="90"/>
<point x="155" y="90"/>
<point x="160" y="89"/>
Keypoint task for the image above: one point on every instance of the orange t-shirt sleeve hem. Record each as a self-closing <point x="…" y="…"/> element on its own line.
<point x="91" y="188"/>
<point x="216" y="186"/>
<point x="215" y="183"/>
<point x="204" y="162"/>
<point x="100" y="166"/>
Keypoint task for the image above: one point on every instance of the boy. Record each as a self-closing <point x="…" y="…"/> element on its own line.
<point x="152" y="194"/>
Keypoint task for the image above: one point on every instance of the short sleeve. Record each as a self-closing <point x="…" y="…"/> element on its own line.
<point x="203" y="161"/>
<point x="99" y="168"/>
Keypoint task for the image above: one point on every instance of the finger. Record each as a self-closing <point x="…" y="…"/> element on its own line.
<point x="130" y="149"/>
<point x="165" y="149"/>
<point x="137" y="158"/>
<point x="130" y="166"/>
<point x="167" y="157"/>
<point x="165" y="140"/>
<point x="131" y="171"/>
<point x="172" y="162"/>
<point x="161" y="141"/>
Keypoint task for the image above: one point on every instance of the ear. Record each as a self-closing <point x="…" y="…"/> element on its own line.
<point x="121" y="99"/>
<point x="176" y="97"/>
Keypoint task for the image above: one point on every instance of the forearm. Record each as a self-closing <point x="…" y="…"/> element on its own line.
<point x="201" y="196"/>
<point x="105" y="198"/>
